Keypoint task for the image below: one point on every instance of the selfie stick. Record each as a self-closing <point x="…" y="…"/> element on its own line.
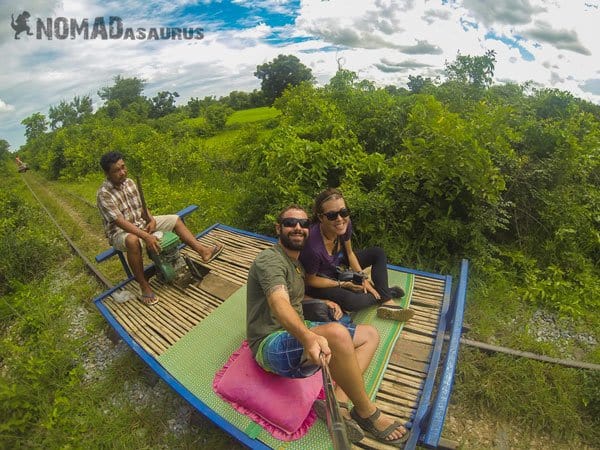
<point x="335" y="421"/>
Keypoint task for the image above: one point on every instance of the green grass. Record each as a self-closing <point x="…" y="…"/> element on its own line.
<point x="536" y="396"/>
<point x="86" y="187"/>
<point x="556" y="401"/>
<point x="253" y="115"/>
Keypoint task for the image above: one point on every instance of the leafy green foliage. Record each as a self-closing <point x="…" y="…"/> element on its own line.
<point x="447" y="188"/>
<point x="125" y="91"/>
<point x="162" y="104"/>
<point x="26" y="251"/>
<point x="283" y="71"/>
<point x="216" y="116"/>
<point x="4" y="150"/>
<point x="475" y="70"/>
<point x="35" y="126"/>
<point x="65" y="114"/>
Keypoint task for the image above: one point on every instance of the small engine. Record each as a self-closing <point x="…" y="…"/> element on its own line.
<point x="170" y="266"/>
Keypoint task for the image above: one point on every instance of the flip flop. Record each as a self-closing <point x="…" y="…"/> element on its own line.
<point x="395" y="312"/>
<point x="149" y="299"/>
<point x="368" y="425"/>
<point x="215" y="252"/>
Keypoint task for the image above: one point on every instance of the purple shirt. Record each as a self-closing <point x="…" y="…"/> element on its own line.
<point x="314" y="256"/>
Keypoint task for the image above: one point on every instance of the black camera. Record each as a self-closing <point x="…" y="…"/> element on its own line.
<point x="350" y="275"/>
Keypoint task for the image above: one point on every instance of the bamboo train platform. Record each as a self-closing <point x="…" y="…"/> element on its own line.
<point x="416" y="380"/>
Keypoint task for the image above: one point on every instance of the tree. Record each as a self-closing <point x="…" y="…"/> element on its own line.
<point x="239" y="100"/>
<point x="83" y="106"/>
<point x="195" y="105"/>
<point x="418" y="83"/>
<point x="216" y="115"/>
<point x="66" y="114"/>
<point x="35" y="126"/>
<point x="162" y="104"/>
<point x="475" y="70"/>
<point x="4" y="149"/>
<point x="283" y="71"/>
<point x="125" y="91"/>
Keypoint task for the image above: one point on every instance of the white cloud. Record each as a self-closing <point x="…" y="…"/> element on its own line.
<point x="4" y="107"/>
<point x="511" y="12"/>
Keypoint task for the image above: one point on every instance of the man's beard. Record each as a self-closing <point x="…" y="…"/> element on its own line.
<point x="291" y="245"/>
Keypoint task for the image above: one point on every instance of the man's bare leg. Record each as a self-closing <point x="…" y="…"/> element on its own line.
<point x="188" y="238"/>
<point x="347" y="373"/>
<point x="136" y="262"/>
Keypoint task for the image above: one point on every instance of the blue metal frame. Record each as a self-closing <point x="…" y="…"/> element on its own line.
<point x="428" y="420"/>
<point x="442" y="399"/>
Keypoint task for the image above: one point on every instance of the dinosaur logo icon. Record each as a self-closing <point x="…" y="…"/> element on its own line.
<point x="20" y="24"/>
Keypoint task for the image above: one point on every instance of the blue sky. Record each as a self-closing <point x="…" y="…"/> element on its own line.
<point x="546" y="43"/>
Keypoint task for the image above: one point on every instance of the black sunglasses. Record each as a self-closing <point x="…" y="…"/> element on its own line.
<point x="291" y="222"/>
<point x="332" y="215"/>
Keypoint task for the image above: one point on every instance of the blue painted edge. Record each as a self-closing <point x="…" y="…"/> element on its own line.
<point x="435" y="276"/>
<point x="238" y="231"/>
<point x="439" y="408"/>
<point x="429" y="385"/>
<point x="170" y="380"/>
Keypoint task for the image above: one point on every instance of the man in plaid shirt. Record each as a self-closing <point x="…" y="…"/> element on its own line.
<point x="127" y="229"/>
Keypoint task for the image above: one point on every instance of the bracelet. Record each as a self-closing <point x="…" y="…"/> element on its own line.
<point x="339" y="284"/>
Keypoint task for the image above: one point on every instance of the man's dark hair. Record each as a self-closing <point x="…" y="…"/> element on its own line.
<point x="292" y="206"/>
<point x="108" y="159"/>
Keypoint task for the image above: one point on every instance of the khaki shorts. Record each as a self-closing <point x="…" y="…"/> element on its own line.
<point x="163" y="223"/>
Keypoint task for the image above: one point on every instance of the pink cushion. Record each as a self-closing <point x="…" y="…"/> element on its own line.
<point x="282" y="406"/>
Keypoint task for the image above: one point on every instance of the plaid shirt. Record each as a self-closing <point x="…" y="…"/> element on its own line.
<point x="115" y="201"/>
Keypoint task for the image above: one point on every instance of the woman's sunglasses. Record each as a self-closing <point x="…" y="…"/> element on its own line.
<point x="332" y="215"/>
<point x="291" y="222"/>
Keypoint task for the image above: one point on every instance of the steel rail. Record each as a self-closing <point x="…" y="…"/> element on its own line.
<point x="94" y="271"/>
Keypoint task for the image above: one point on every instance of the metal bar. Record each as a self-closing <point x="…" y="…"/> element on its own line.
<point x="335" y="421"/>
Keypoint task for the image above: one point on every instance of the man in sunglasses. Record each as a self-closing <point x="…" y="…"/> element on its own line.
<point x="284" y="343"/>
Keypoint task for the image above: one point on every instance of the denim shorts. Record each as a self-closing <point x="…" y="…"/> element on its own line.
<point x="282" y="354"/>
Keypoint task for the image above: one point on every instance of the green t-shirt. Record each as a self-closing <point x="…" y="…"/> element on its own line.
<point x="272" y="267"/>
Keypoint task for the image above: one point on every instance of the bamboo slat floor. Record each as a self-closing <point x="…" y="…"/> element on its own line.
<point x="157" y="328"/>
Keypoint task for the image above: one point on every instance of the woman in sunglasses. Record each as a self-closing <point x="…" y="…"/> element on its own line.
<point x="329" y="246"/>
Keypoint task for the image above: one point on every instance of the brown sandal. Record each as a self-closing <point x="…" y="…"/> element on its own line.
<point x="354" y="431"/>
<point x="368" y="424"/>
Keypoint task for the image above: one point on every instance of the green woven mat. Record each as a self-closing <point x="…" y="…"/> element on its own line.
<point x="197" y="356"/>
